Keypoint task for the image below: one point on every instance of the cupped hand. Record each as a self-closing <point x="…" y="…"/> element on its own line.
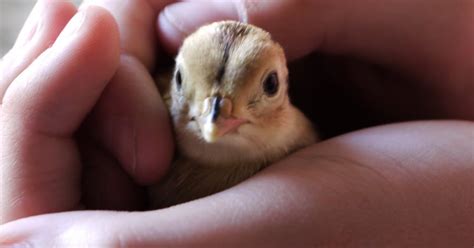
<point x="402" y="184"/>
<point x="377" y="187"/>
<point x="82" y="123"/>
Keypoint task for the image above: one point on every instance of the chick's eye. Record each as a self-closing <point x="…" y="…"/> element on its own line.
<point x="270" y="85"/>
<point x="179" y="80"/>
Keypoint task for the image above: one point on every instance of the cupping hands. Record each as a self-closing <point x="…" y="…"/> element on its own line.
<point x="79" y="107"/>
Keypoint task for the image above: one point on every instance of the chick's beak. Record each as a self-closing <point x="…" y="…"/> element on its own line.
<point x="216" y="120"/>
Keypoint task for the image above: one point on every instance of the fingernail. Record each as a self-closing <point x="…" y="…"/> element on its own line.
<point x="72" y="27"/>
<point x="171" y="29"/>
<point x="179" y="20"/>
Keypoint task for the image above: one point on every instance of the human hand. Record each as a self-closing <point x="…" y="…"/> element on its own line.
<point x="380" y="186"/>
<point x="48" y="148"/>
<point x="400" y="184"/>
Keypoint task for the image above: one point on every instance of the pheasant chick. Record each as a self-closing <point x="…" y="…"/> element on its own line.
<point x="228" y="99"/>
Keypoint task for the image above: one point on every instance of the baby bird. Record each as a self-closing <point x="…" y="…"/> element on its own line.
<point x="231" y="112"/>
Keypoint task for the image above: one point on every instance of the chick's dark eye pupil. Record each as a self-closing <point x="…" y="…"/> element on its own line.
<point x="270" y="85"/>
<point x="179" y="80"/>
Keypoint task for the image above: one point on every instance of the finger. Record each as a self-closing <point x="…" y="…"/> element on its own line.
<point x="180" y="19"/>
<point x="32" y="92"/>
<point x="43" y="108"/>
<point x="105" y="185"/>
<point x="136" y="21"/>
<point x="41" y="29"/>
<point x="298" y="25"/>
<point x="131" y="120"/>
<point x="386" y="185"/>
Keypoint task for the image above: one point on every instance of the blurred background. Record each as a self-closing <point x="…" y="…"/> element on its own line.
<point x="12" y="15"/>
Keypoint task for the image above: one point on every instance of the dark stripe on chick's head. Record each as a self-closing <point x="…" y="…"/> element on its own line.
<point x="230" y="32"/>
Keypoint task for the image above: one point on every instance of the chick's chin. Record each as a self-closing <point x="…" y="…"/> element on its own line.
<point x="234" y="149"/>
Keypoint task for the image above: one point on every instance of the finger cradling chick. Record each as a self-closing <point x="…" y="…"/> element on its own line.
<point x="232" y="116"/>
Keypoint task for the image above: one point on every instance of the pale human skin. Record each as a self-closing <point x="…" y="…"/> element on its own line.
<point x="402" y="184"/>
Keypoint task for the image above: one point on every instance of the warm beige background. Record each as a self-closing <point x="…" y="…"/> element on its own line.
<point x="12" y="15"/>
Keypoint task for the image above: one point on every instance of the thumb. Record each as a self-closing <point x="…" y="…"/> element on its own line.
<point x="178" y="20"/>
<point x="398" y="33"/>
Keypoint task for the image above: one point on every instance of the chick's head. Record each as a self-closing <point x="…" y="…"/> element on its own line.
<point x="229" y="99"/>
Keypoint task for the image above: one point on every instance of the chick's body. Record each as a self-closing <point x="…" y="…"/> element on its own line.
<point x="231" y="112"/>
